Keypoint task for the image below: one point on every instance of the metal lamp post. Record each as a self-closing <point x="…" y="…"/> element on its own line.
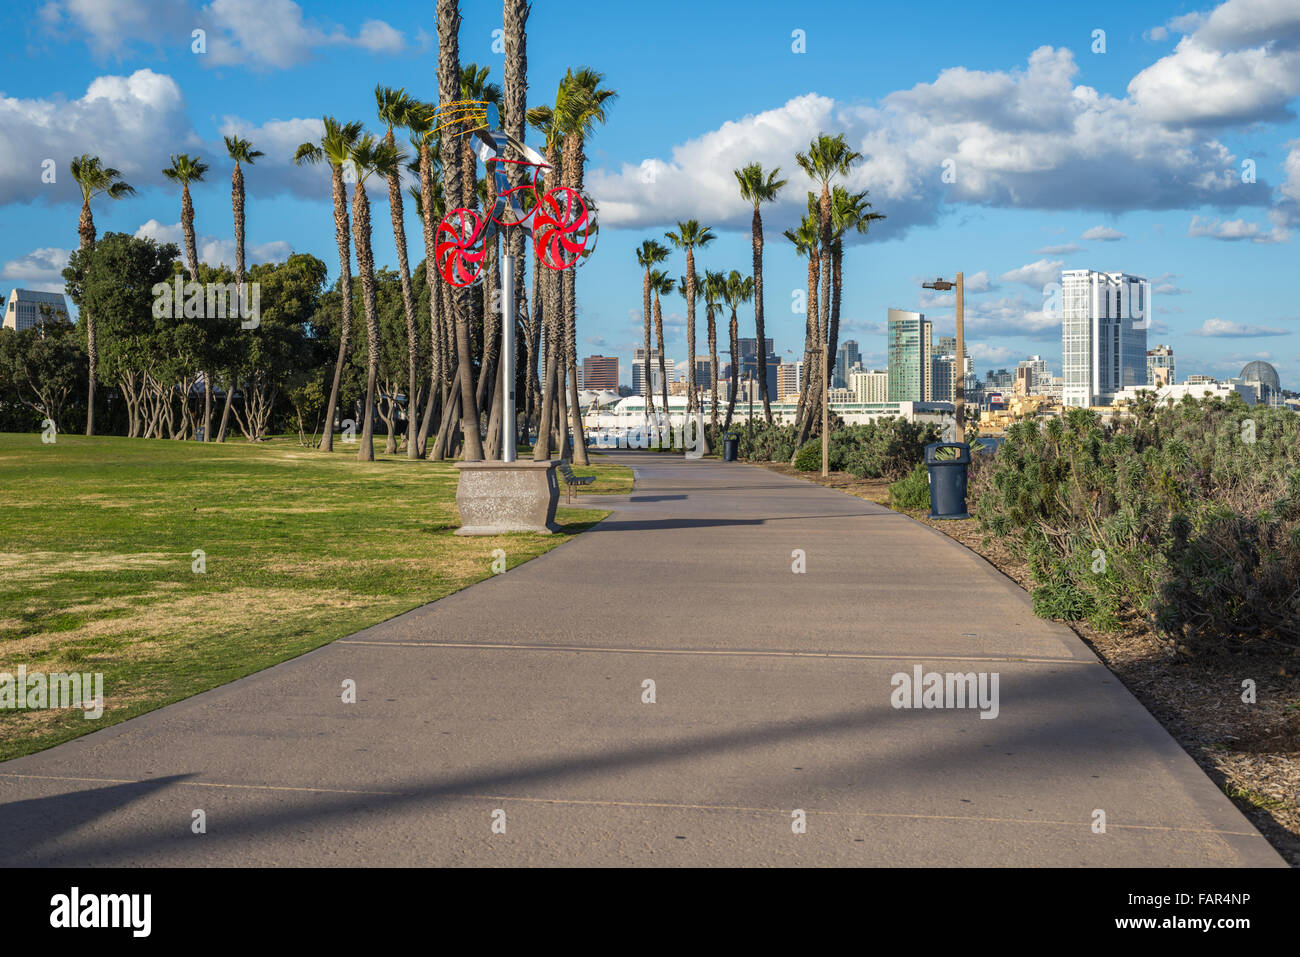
<point x="959" y="380"/>
<point x="508" y="358"/>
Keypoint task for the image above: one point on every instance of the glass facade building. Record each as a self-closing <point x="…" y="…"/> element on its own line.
<point x="1104" y="321"/>
<point x="910" y="371"/>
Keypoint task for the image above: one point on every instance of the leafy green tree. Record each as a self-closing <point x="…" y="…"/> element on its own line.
<point x="280" y="346"/>
<point x="115" y="279"/>
<point x="45" y="366"/>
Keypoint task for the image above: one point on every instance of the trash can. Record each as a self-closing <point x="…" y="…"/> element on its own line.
<point x="730" y="447"/>
<point x="947" y="479"/>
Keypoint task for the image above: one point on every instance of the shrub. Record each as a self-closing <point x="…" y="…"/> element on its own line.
<point x="809" y="458"/>
<point x="1187" y="515"/>
<point x="912" y="491"/>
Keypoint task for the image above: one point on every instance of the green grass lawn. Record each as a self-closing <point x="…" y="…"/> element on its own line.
<point x="300" y="548"/>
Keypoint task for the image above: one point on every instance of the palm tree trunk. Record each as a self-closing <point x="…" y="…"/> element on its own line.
<point x="569" y="280"/>
<point x="690" y="329"/>
<point x="187" y="226"/>
<point x="455" y="180"/>
<point x="398" y="215"/>
<point x="542" y="448"/>
<point x="345" y="322"/>
<point x="663" y="365"/>
<point x="734" y="381"/>
<point x="647" y="377"/>
<point x="759" y="328"/>
<point x="366" y="266"/>
<point x="86" y="231"/>
<point x="431" y="282"/>
<point x="713" y="368"/>
<point x="833" y="333"/>
<point x="513" y="112"/>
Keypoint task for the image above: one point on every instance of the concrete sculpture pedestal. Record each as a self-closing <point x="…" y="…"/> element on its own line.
<point x="498" y="497"/>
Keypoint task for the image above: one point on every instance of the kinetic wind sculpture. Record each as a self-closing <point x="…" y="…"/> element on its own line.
<point x="558" y="218"/>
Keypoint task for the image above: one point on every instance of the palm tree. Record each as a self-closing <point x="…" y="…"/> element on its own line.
<point x="715" y="284"/>
<point x="94" y="178"/>
<point x="804" y="239"/>
<point x="448" y="17"/>
<point x="759" y="187"/>
<point x="241" y="151"/>
<point x="649" y="255"/>
<point x="738" y="289"/>
<point x="514" y="111"/>
<point x="661" y="283"/>
<point x="394" y="109"/>
<point x="335" y="147"/>
<point x="579" y="106"/>
<point x="690" y="235"/>
<point x="848" y="211"/>
<point x="185" y="169"/>
<point x="430" y="207"/>
<point x="368" y="157"/>
<point x="827" y="158"/>
<point x="544" y="120"/>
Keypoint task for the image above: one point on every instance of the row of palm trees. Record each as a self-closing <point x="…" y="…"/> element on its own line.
<point x="94" y="179"/>
<point x="818" y="236"/>
<point x="447" y="178"/>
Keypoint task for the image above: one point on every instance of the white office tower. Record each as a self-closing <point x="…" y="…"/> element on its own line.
<point x="1104" y="321"/>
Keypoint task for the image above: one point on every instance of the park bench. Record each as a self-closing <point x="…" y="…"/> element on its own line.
<point x="572" y="481"/>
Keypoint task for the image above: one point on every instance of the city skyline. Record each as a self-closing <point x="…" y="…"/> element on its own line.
<point x="1187" y="187"/>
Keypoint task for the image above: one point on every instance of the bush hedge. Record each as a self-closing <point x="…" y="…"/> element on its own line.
<point x="1188" y="515"/>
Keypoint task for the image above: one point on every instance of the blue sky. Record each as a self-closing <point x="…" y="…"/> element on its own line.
<point x="1063" y="156"/>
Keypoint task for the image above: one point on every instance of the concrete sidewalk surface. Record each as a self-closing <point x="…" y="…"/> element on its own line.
<point x="666" y="689"/>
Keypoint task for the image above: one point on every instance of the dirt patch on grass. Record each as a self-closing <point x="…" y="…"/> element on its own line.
<point x="150" y="627"/>
<point x="23" y="566"/>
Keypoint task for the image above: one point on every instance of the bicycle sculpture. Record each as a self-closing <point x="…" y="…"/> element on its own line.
<point x="558" y="219"/>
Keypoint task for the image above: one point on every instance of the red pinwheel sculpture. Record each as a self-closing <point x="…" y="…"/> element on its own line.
<point x="560" y="222"/>
<point x="560" y="228"/>
<point x="457" y="249"/>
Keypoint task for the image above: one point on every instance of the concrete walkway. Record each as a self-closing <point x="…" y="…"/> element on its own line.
<point x="520" y="700"/>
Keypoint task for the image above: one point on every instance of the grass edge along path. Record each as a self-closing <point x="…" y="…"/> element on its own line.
<point x="176" y="567"/>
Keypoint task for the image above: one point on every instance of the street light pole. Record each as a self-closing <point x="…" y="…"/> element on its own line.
<point x="959" y="361"/>
<point x="959" y="393"/>
<point x="508" y="358"/>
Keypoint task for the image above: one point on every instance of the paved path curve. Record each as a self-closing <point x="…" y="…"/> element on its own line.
<point x="520" y="700"/>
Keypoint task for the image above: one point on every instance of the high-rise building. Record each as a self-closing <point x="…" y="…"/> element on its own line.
<point x="846" y="357"/>
<point x="703" y="372"/>
<point x="788" y="379"/>
<point x="638" y="371"/>
<point x="749" y="347"/>
<point x="1032" y="376"/>
<point x="1103" y="334"/>
<point x="749" y="367"/>
<point x="998" y="381"/>
<point x="600" y="372"/>
<point x="24" y="308"/>
<point x="943" y="375"/>
<point x="1160" y="365"/>
<point x="947" y="346"/>
<point x="909" y="347"/>
<point x="870" y="385"/>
